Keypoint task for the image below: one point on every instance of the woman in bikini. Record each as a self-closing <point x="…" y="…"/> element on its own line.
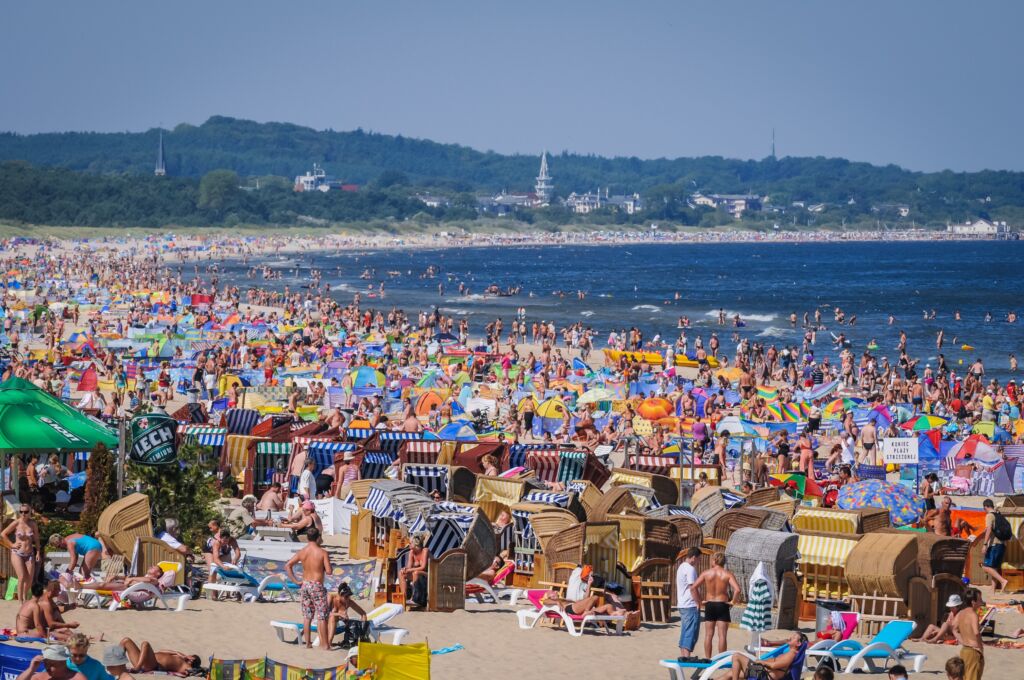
<point x="145" y="659"/>
<point x="25" y="553"/>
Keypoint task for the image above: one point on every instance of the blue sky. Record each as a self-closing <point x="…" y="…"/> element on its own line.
<point x="926" y="84"/>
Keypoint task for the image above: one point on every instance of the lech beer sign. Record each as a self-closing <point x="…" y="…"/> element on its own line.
<point x="900" y="451"/>
<point x="153" y="439"/>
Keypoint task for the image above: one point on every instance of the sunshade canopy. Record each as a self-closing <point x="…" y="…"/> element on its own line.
<point x="34" y="420"/>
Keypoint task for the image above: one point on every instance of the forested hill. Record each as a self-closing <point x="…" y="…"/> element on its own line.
<point x="255" y="149"/>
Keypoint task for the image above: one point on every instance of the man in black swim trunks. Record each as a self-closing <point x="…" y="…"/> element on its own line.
<point x="717" y="582"/>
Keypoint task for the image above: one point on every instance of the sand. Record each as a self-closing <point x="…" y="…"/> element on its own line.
<point x="494" y="646"/>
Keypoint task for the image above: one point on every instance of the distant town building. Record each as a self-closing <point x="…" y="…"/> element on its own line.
<point x="980" y="228"/>
<point x="543" y="188"/>
<point x="318" y="180"/>
<point x="161" y="168"/>
<point x="892" y="208"/>
<point x="505" y="203"/>
<point x="734" y="204"/>
<point x="584" y="204"/>
<point x="432" y="201"/>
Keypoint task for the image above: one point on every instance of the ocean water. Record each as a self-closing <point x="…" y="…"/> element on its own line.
<point x="636" y="285"/>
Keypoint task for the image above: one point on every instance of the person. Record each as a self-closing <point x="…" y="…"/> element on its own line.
<point x="824" y="673"/>
<point x="340" y="603"/>
<point x="929" y="485"/>
<point x="995" y="548"/>
<point x="967" y="629"/>
<point x="23" y="534"/>
<point x="29" y="620"/>
<point x="777" y="667"/>
<point x="272" y="499"/>
<point x="307" y="520"/>
<point x="242" y="519"/>
<point x="54" y="625"/>
<point x="90" y="550"/>
<point x="115" y="660"/>
<point x="578" y="599"/>
<point x="955" y="668"/>
<point x="54" y="661"/>
<point x="312" y="594"/>
<point x="689" y="610"/>
<point x="145" y="659"/>
<point x="489" y="464"/>
<point x="220" y="549"/>
<point x="717" y="581"/>
<point x="171" y="535"/>
<point x="414" y="574"/>
<point x="898" y="672"/>
<point x="307" y="481"/>
<point x="81" y="662"/>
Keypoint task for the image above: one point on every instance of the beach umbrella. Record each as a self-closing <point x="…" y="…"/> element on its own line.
<point x="881" y="415"/>
<point x="978" y="447"/>
<point x="840" y="405"/>
<point x="904" y="506"/>
<point x="797" y="483"/>
<point x="655" y="408"/>
<point x="596" y="395"/>
<point x="757" y="617"/>
<point x="923" y="422"/>
<point x="34" y="420"/>
<point x="364" y="376"/>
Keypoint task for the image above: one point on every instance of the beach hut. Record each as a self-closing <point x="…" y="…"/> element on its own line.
<point x="749" y="546"/>
<point x="882" y="573"/>
<point x="665" y="489"/>
<point x="822" y="564"/>
<point x="837" y="521"/>
<point x="593" y="543"/>
<point x="497" y="494"/>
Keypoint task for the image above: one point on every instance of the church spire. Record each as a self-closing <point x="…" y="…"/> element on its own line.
<point x="161" y="169"/>
<point x="543" y="187"/>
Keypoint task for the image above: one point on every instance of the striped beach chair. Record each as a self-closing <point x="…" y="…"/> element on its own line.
<point x="545" y="464"/>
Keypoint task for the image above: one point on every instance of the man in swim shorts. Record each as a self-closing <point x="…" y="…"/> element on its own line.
<point x="716" y="582"/>
<point x="312" y="595"/>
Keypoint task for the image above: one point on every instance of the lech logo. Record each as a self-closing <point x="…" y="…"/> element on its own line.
<point x="153" y="439"/>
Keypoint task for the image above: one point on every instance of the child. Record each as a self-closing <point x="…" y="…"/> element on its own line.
<point x="955" y="668"/>
<point x="824" y="673"/>
<point x="898" y="672"/>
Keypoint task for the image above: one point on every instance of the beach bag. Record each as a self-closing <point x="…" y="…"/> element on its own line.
<point x="1001" y="528"/>
<point x="757" y="671"/>
<point x="356" y="631"/>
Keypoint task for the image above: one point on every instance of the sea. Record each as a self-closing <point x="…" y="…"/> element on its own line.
<point x="650" y="286"/>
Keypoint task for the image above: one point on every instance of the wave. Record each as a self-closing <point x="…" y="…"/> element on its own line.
<point x="587" y="313"/>
<point x="646" y="308"/>
<point x="475" y="297"/>
<point x="729" y="314"/>
<point x="774" y="332"/>
<point x="454" y="310"/>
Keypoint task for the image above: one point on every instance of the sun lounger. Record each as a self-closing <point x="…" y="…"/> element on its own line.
<point x="574" y="623"/>
<point x="705" y="671"/>
<point x="171" y="601"/>
<point x="496" y="589"/>
<point x="886" y="646"/>
<point x="378" y="618"/>
<point x="233" y="580"/>
<point x="275" y="534"/>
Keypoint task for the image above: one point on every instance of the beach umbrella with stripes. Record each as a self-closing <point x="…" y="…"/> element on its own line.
<point x="757" y="617"/>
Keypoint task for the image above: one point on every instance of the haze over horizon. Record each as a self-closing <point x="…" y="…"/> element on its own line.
<point x="922" y="84"/>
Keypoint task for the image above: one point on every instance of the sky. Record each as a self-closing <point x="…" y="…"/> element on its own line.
<point x="925" y="84"/>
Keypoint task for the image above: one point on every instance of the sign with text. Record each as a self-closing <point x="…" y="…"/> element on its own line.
<point x="152" y="436"/>
<point x="899" y="451"/>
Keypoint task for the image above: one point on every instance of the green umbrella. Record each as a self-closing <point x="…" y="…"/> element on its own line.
<point x="34" y="420"/>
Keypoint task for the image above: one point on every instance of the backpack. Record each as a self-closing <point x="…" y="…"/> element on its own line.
<point x="1001" y="528"/>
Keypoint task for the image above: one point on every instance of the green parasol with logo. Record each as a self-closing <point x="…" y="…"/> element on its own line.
<point x="34" y="420"/>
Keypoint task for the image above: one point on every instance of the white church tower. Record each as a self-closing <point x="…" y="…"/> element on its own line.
<point x="543" y="187"/>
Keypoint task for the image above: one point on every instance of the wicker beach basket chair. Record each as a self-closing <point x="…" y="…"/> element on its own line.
<point x="729" y="521"/>
<point x="548" y="521"/>
<point x="589" y="495"/>
<point x="690" y="534"/>
<point x="446" y="582"/>
<point x="882" y="563"/>
<point x="661" y="539"/>
<point x="615" y="501"/>
<point x="652" y="581"/>
<point x="764" y="496"/>
<point x="125" y="520"/>
<point x="748" y="546"/>
<point x="480" y="544"/>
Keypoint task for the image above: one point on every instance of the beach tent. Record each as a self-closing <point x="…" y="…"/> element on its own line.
<point x="425" y="401"/>
<point x="457" y="431"/>
<point x="549" y="417"/>
<point x="34" y="420"/>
